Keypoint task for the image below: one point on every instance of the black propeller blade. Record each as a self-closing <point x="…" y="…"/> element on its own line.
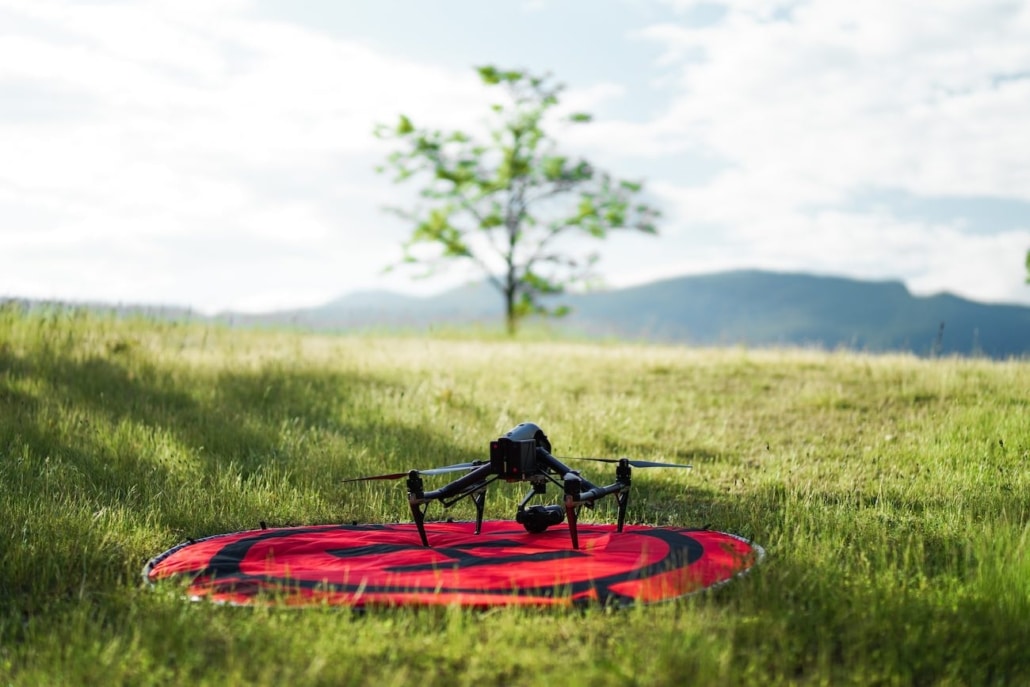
<point x="457" y="467"/>
<point x="637" y="463"/>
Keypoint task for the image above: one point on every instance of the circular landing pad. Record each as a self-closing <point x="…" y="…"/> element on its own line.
<point x="359" y="565"/>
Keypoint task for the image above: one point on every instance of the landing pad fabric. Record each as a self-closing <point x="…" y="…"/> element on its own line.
<point x="360" y="565"/>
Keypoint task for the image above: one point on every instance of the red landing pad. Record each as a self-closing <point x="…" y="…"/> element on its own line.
<point x="359" y="565"/>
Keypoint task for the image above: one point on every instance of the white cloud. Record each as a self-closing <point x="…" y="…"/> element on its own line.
<point x="876" y="93"/>
<point x="173" y="106"/>
<point x="811" y="103"/>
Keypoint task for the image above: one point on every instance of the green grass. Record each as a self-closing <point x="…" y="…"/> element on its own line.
<point x="890" y="492"/>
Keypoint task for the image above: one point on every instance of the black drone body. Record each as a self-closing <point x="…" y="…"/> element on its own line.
<point x="522" y="455"/>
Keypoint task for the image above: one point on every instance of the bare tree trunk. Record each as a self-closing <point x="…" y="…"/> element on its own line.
<point x="510" y="283"/>
<point x="509" y="306"/>
<point x="511" y="319"/>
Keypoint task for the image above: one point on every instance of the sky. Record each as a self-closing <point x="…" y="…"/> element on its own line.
<point x="218" y="154"/>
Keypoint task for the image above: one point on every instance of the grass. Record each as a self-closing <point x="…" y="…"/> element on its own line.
<point x="890" y="492"/>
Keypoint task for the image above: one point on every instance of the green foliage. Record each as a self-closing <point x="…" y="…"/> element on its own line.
<point x="516" y="192"/>
<point x="891" y="494"/>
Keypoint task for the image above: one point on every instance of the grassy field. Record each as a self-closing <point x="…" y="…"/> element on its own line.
<point x="891" y="494"/>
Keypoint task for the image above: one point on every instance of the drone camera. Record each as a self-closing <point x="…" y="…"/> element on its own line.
<point x="537" y="519"/>
<point x="513" y="460"/>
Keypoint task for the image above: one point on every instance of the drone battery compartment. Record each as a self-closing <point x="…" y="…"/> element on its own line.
<point x="513" y="458"/>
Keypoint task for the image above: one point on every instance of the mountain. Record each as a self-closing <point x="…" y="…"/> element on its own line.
<point x="475" y="303"/>
<point x="747" y="307"/>
<point x="763" y="308"/>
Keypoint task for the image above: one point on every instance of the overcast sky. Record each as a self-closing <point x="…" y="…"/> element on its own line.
<point x="218" y="153"/>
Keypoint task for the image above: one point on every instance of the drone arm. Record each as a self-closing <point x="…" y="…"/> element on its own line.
<point x="545" y="458"/>
<point x="592" y="494"/>
<point x="462" y="486"/>
<point x="585" y="492"/>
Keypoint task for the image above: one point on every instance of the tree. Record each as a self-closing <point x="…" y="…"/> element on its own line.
<point x="512" y="205"/>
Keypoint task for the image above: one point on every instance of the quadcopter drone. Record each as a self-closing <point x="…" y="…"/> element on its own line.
<point x="521" y="455"/>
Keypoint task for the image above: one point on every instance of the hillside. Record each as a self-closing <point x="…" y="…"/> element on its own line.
<point x="742" y="307"/>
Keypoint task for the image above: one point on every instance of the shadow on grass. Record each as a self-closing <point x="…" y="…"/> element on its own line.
<point x="858" y="591"/>
<point x="233" y="416"/>
<point x="635" y="449"/>
<point x="82" y="438"/>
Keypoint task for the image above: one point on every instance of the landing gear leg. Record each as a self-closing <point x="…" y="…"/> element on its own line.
<point x="622" y="498"/>
<point x="624" y="476"/>
<point x="418" y="513"/>
<point x="479" y="500"/>
<point x="570" y="515"/>
<point x="416" y="491"/>
<point x="572" y="486"/>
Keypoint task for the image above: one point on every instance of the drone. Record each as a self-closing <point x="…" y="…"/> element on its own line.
<point x="522" y="455"/>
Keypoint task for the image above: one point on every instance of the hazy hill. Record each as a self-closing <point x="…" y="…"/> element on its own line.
<point x="760" y="308"/>
<point x="741" y="307"/>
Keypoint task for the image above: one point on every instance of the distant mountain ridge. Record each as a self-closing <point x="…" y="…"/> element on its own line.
<point x="744" y="307"/>
<point x="749" y="307"/>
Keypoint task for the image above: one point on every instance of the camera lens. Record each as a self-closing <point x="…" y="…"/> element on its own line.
<point x="537" y="519"/>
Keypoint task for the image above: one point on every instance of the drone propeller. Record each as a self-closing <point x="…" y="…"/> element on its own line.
<point x="458" y="467"/>
<point x="637" y="463"/>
